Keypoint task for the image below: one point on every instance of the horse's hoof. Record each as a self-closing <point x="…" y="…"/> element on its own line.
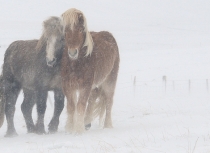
<point x="52" y="129"/>
<point x="40" y="130"/>
<point x="108" y="126"/>
<point x="88" y="126"/>
<point x="11" y="134"/>
<point x="32" y="130"/>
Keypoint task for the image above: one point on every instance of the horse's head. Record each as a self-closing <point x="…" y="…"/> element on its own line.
<point x="76" y="33"/>
<point x="53" y="39"/>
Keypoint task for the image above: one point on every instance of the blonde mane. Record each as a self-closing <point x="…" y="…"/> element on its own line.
<point x="71" y="18"/>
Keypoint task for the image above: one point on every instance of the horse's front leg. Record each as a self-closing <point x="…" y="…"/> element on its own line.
<point x="79" y="126"/>
<point x="71" y="105"/>
<point x="27" y="107"/>
<point x="58" y="108"/>
<point x="91" y="107"/>
<point x="41" y="99"/>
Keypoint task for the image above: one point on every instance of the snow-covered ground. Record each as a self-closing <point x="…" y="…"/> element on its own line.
<point x="158" y="40"/>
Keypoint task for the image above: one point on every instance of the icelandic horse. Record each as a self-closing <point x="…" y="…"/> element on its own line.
<point x="89" y="70"/>
<point x="29" y="66"/>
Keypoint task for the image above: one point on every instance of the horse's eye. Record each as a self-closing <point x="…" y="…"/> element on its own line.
<point x="81" y="30"/>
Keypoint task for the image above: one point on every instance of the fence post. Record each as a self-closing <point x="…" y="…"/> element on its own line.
<point x="207" y="85"/>
<point x="164" y="82"/>
<point x="173" y="85"/>
<point x="134" y="86"/>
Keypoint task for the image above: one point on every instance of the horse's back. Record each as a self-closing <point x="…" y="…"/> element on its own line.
<point x="103" y="36"/>
<point x="105" y="42"/>
<point x="18" y="57"/>
<point x="18" y="50"/>
<point x="106" y="54"/>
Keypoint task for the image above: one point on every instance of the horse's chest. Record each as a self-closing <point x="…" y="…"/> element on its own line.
<point x="55" y="82"/>
<point x="76" y="77"/>
<point x="80" y="75"/>
<point x="49" y="79"/>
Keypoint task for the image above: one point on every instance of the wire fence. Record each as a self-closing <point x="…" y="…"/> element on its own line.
<point x="165" y="86"/>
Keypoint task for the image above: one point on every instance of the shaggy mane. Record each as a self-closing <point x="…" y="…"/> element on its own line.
<point x="71" y="18"/>
<point x="51" y="24"/>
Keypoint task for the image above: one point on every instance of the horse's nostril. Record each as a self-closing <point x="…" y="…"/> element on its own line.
<point x="54" y="59"/>
<point x="51" y="62"/>
<point x="47" y="60"/>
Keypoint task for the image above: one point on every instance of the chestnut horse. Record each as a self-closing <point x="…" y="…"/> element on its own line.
<point x="89" y="70"/>
<point x="25" y="67"/>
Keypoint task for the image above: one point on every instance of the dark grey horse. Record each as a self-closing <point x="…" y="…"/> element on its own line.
<point x="25" y="68"/>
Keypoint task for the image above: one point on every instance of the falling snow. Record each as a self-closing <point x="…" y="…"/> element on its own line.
<point x="156" y="39"/>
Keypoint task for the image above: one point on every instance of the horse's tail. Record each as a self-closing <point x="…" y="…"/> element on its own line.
<point x="2" y="101"/>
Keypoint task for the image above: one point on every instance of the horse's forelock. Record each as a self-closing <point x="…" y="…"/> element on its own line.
<point x="51" y="26"/>
<point x="70" y="18"/>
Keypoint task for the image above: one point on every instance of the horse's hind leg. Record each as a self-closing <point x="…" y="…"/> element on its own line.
<point x="107" y="97"/>
<point x="11" y="93"/>
<point x="2" y="101"/>
<point x="41" y="99"/>
<point x="58" y="108"/>
<point x="91" y="108"/>
<point x="27" y="107"/>
<point x="108" y="91"/>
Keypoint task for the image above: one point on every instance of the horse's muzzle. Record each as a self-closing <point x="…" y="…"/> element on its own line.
<point x="51" y="63"/>
<point x="73" y="53"/>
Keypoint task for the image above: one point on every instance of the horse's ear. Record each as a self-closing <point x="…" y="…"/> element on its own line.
<point x="81" y="19"/>
<point x="44" y="24"/>
<point x="53" y="26"/>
